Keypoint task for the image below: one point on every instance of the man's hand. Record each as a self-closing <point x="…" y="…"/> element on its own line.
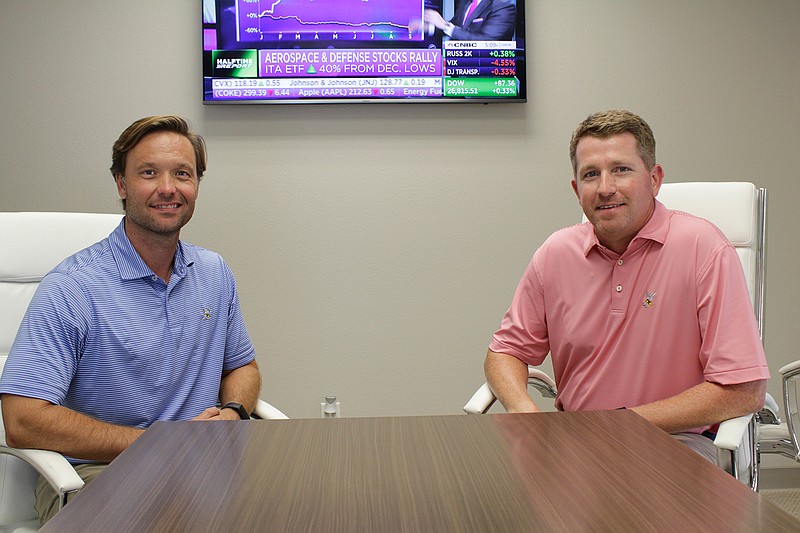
<point x="433" y="17"/>
<point x="215" y="413"/>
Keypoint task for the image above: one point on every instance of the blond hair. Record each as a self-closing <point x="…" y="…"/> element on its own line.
<point x="613" y="122"/>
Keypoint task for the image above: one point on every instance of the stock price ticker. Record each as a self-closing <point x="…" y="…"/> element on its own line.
<point x="480" y="68"/>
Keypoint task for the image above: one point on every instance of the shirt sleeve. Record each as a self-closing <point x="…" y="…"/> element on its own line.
<point x="731" y="351"/>
<point x="523" y="330"/>
<point x="46" y="351"/>
<point x="239" y="348"/>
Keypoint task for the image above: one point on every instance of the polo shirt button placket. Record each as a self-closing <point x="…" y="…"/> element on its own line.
<point x="618" y="299"/>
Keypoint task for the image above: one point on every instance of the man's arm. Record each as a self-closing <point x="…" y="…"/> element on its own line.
<point x="240" y="385"/>
<point x="704" y="404"/>
<point x="34" y="423"/>
<point x="38" y="424"/>
<point x="508" y="379"/>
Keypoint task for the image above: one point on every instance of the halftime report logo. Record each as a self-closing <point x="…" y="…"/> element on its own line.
<point x="235" y="63"/>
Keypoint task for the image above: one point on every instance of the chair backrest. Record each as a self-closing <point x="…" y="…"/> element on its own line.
<point x="739" y="209"/>
<point x="31" y="244"/>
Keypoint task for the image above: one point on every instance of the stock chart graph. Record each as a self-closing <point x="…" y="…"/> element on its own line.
<point x="270" y="20"/>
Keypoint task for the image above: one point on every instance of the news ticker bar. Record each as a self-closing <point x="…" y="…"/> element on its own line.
<point x="293" y="88"/>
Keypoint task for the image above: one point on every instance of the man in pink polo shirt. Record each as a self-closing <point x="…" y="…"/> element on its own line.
<point x="641" y="307"/>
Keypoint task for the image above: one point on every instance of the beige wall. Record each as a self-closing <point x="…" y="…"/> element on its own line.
<point x="377" y="247"/>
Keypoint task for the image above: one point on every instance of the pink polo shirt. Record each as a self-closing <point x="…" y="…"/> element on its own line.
<point x="625" y="330"/>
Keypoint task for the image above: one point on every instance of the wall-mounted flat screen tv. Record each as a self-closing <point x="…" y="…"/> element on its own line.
<point x="363" y="51"/>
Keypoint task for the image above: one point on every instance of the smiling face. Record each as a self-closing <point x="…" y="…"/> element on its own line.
<point x="615" y="188"/>
<point x="159" y="185"/>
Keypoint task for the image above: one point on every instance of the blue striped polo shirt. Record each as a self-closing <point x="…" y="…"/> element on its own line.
<point x="106" y="337"/>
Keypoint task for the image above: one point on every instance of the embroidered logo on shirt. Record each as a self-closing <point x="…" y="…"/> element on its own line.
<point x="206" y="313"/>
<point x="648" y="299"/>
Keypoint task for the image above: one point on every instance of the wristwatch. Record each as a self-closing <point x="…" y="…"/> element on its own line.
<point x="239" y="408"/>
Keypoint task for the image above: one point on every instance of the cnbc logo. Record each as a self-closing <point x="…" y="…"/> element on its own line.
<point x="235" y="63"/>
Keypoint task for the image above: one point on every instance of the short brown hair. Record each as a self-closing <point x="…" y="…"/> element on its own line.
<point x="134" y="133"/>
<point x="613" y="122"/>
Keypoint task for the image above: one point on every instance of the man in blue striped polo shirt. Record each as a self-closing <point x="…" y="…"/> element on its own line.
<point x="138" y="327"/>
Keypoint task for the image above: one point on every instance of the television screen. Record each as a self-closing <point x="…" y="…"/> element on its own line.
<point x="357" y="51"/>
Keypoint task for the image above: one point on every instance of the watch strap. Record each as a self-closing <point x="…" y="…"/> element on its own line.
<point x="239" y="408"/>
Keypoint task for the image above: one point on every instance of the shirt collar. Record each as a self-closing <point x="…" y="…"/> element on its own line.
<point x="656" y="229"/>
<point x="131" y="265"/>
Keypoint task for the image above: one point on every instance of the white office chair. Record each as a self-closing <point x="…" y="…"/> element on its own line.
<point x="30" y="245"/>
<point x="739" y="210"/>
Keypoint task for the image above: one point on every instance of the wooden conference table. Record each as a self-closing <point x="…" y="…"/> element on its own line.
<point x="594" y="471"/>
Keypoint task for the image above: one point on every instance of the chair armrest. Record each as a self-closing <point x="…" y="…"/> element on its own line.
<point x="770" y="413"/>
<point x="791" y="367"/>
<point x="51" y="465"/>
<point x="731" y="432"/>
<point x="542" y="382"/>
<point x="481" y="401"/>
<point x="266" y="411"/>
